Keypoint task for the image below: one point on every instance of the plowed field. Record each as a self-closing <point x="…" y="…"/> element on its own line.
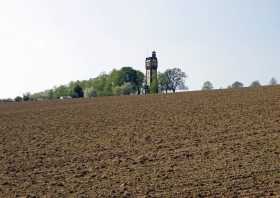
<point x="222" y="143"/>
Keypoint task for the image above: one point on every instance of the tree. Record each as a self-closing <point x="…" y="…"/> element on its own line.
<point x="116" y="78"/>
<point x="175" y="77"/>
<point x="154" y="87"/>
<point x="50" y="94"/>
<point x="163" y="82"/>
<point x="125" y="89"/>
<point x="77" y="91"/>
<point x="255" y="83"/>
<point x="61" y="91"/>
<point x="127" y="75"/>
<point x="26" y="96"/>
<point x="103" y="85"/>
<point x="207" y="86"/>
<point x="139" y="81"/>
<point x="41" y="95"/>
<point x="273" y="81"/>
<point x="90" y="92"/>
<point x="18" y="99"/>
<point x="237" y="85"/>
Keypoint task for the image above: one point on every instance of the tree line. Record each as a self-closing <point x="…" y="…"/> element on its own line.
<point x="207" y="85"/>
<point x="125" y="81"/>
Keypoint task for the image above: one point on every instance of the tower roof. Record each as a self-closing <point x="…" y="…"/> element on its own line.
<point x="154" y="56"/>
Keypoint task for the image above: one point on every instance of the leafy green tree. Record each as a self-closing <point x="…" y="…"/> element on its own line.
<point x="139" y="81"/>
<point x="255" y="83"/>
<point x="61" y="91"/>
<point x="127" y="75"/>
<point x="163" y="82"/>
<point x="41" y="95"/>
<point x="116" y="78"/>
<point x="125" y="89"/>
<point x="90" y="92"/>
<point x="207" y="86"/>
<point x="103" y="85"/>
<point x="50" y="94"/>
<point x="117" y="90"/>
<point x="273" y="81"/>
<point x="154" y="87"/>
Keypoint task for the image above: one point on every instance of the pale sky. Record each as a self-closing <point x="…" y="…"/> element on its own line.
<point x="44" y="43"/>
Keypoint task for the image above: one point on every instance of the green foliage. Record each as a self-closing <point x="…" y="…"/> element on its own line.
<point x="207" y="86"/>
<point x="90" y="92"/>
<point x="163" y="82"/>
<point x="50" y="94"/>
<point x="139" y="81"/>
<point x="26" y="97"/>
<point x="154" y="87"/>
<point x="125" y="89"/>
<point x="77" y="91"/>
<point x="61" y="91"/>
<point x="41" y="95"/>
<point x="18" y="99"/>
<point x="128" y="74"/>
<point x="102" y="85"/>
<point x="119" y="82"/>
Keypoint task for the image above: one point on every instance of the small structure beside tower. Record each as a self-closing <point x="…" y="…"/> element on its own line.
<point x="151" y="82"/>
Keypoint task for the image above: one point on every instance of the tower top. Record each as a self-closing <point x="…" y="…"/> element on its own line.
<point x="153" y="57"/>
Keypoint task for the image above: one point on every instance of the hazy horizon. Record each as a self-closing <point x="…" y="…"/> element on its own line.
<point x="48" y="43"/>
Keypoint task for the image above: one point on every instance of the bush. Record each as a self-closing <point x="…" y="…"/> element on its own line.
<point x="90" y="92"/>
<point x="125" y="89"/>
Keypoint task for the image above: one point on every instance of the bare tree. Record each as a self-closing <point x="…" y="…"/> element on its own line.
<point x="176" y="78"/>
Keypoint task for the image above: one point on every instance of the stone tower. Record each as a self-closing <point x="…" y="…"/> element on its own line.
<point x="151" y="73"/>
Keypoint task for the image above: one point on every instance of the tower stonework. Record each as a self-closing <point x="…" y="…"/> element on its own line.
<point x="151" y="73"/>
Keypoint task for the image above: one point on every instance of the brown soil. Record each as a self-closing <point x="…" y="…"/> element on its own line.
<point x="217" y="143"/>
